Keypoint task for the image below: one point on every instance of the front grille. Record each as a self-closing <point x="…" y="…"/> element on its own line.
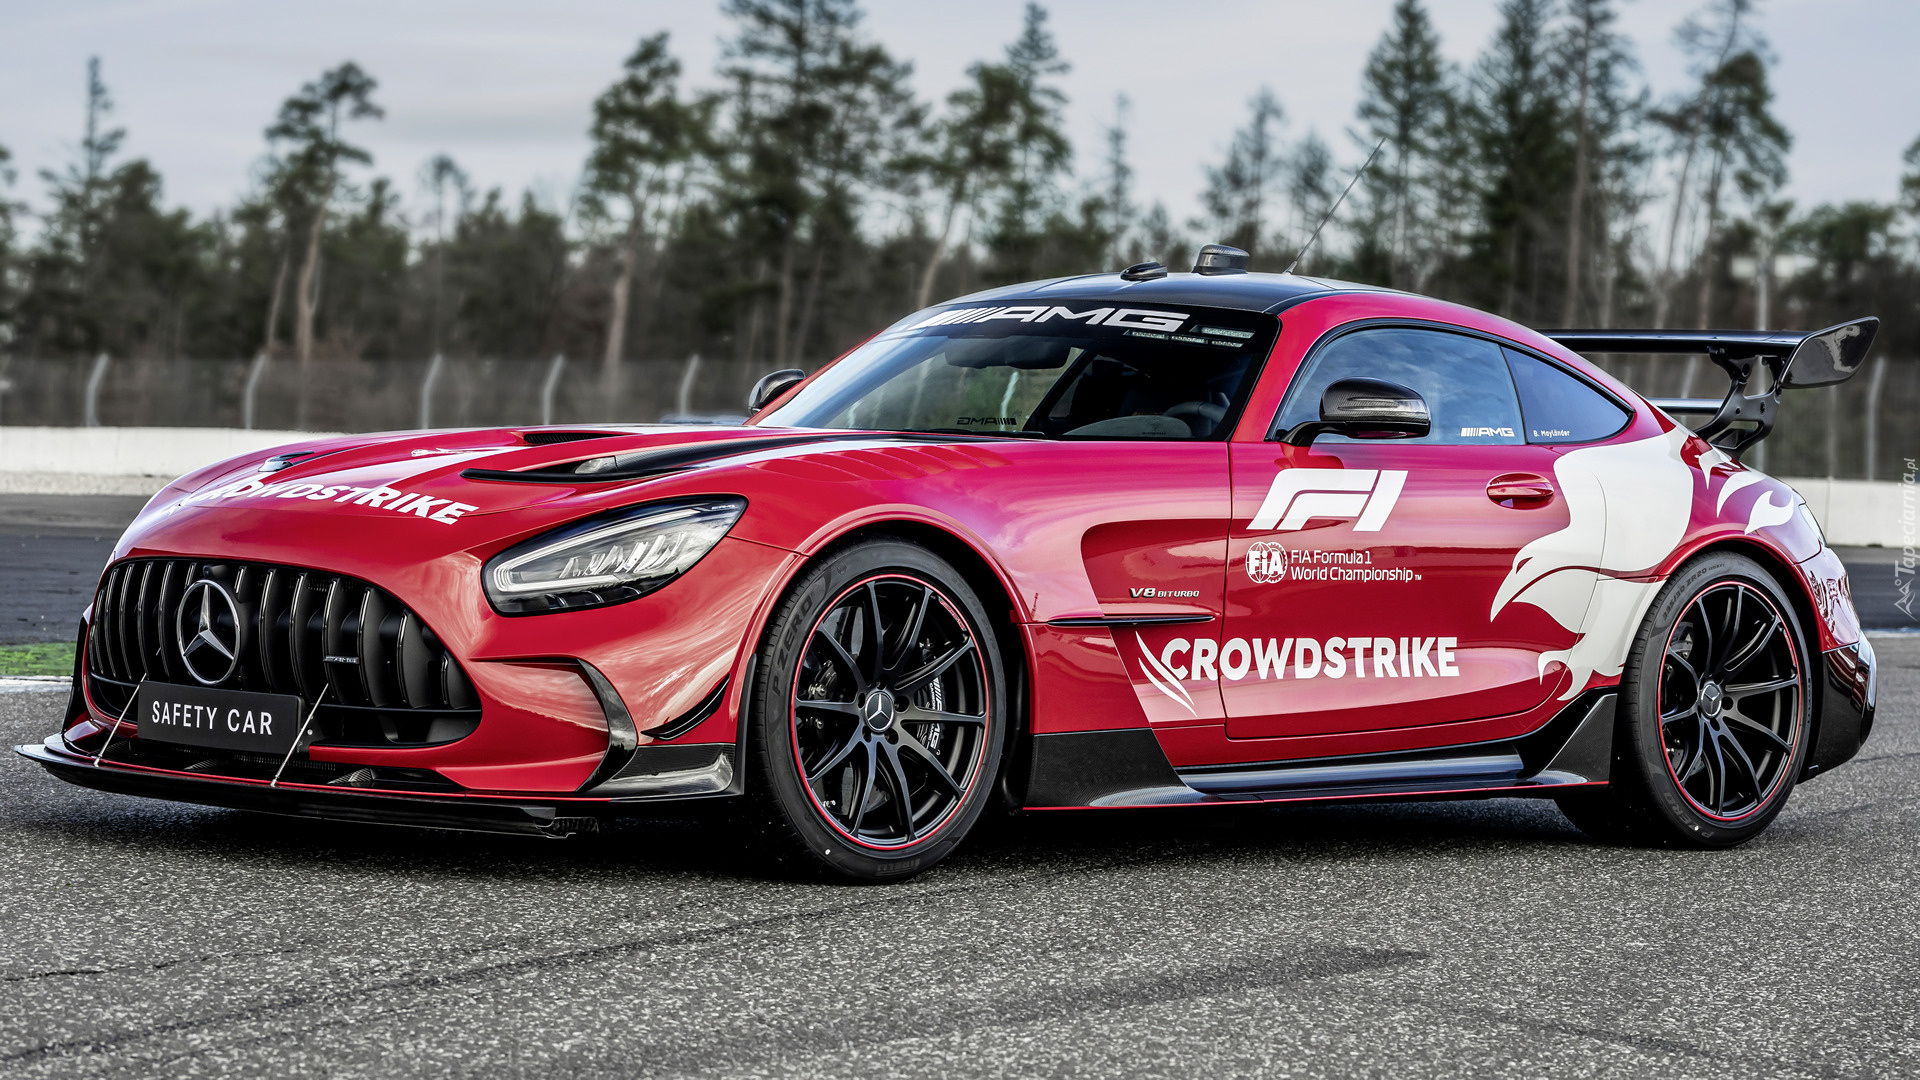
<point x="387" y="679"/>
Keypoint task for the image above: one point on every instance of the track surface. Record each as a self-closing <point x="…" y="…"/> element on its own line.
<point x="1438" y="939"/>
<point x="52" y="548"/>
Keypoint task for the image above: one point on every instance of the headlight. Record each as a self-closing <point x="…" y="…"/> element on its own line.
<point x="608" y="559"/>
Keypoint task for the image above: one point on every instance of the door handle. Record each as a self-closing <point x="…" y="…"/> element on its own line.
<point x="1520" y="491"/>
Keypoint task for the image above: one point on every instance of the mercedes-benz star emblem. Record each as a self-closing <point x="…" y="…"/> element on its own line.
<point x="209" y="629"/>
<point x="878" y="710"/>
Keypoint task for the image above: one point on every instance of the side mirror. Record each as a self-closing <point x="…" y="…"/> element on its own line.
<point x="1830" y="356"/>
<point x="1365" y="409"/>
<point x="772" y="385"/>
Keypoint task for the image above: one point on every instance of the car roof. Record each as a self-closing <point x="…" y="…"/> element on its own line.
<point x="1246" y="292"/>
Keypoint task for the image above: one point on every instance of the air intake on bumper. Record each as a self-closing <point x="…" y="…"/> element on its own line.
<point x="388" y="679"/>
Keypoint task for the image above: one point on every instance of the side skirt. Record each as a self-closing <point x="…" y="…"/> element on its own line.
<point x="1127" y="768"/>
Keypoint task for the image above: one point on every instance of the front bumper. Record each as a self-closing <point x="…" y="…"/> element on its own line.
<point x="680" y="778"/>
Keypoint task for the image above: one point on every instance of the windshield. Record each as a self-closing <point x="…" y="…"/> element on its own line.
<point x="1071" y="370"/>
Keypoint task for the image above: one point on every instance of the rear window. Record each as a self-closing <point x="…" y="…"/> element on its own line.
<point x="1560" y="407"/>
<point x="1053" y="370"/>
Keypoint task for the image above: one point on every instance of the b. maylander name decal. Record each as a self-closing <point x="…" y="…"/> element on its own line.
<point x="378" y="497"/>
<point x="1300" y="495"/>
<point x="1181" y="660"/>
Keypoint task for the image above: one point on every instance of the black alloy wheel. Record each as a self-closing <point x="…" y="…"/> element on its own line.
<point x="1729" y="693"/>
<point x="890" y="711"/>
<point x="1713" y="713"/>
<point x="877" y="714"/>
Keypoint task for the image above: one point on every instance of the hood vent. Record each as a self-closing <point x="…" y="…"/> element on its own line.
<point x="641" y="464"/>
<point x="548" y="438"/>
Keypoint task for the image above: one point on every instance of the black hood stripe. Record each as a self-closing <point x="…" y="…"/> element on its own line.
<point x="640" y="464"/>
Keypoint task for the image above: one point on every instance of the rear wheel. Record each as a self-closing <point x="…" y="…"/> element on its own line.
<point x="877" y="722"/>
<point x="1714" y="714"/>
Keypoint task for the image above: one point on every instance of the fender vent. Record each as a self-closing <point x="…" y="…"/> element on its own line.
<point x="387" y="678"/>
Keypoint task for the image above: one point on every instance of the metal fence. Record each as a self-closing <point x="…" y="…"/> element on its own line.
<point x="366" y="395"/>
<point x="1864" y="428"/>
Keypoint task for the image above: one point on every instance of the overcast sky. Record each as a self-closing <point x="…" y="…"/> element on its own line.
<point x="506" y="88"/>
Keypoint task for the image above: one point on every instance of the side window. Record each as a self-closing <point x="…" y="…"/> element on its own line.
<point x="1560" y="408"/>
<point x="1463" y="379"/>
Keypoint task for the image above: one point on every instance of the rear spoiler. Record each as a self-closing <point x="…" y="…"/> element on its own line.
<point x="1786" y="360"/>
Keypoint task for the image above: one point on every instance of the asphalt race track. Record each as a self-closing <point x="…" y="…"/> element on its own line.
<point x="1440" y="939"/>
<point x="52" y="549"/>
<point x="1436" y="939"/>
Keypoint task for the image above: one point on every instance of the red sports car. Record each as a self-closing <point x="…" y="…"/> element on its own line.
<point x="1120" y="540"/>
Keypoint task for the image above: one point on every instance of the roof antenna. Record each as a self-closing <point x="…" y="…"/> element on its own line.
<point x="1358" y="173"/>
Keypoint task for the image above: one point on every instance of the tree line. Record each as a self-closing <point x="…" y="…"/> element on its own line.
<point x="813" y="196"/>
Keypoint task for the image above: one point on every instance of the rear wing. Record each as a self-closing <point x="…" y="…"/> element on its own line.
<point x="1759" y="364"/>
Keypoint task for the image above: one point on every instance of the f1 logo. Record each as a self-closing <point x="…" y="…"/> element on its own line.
<point x="1300" y="495"/>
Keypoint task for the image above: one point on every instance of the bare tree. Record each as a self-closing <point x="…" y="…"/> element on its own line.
<point x="439" y="175"/>
<point x="644" y="141"/>
<point x="309" y="123"/>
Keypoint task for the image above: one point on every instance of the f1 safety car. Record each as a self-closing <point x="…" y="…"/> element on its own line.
<point x="1119" y="540"/>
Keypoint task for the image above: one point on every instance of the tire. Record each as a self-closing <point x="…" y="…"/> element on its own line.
<point x="1715" y="714"/>
<point x="871" y="757"/>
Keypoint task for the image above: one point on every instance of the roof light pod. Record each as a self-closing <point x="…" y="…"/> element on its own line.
<point x="1220" y="259"/>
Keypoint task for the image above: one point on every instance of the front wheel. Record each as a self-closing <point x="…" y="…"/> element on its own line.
<point x="878" y="714"/>
<point x="1715" y="708"/>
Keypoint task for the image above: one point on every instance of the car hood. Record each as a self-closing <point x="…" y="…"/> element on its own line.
<point x="447" y="488"/>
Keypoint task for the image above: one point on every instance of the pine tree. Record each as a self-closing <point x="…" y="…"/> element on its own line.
<point x="1310" y="194"/>
<point x="1742" y="137"/>
<point x="1910" y="180"/>
<point x="1041" y="151"/>
<point x="113" y="271"/>
<point x="1597" y="59"/>
<point x="8" y="237"/>
<point x="309" y="124"/>
<point x="440" y="175"/>
<point x="645" y="139"/>
<point x="1405" y="97"/>
<point x="818" y="117"/>
<point x="1711" y="38"/>
<point x="972" y="159"/>
<point x="508" y="270"/>
<point x="1239" y="189"/>
<point x="1117" y="193"/>
<point x="1524" y="157"/>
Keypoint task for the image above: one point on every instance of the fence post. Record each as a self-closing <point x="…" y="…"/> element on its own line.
<point x="682" y="404"/>
<point x="254" y="371"/>
<point x="547" y="388"/>
<point x="426" y="390"/>
<point x="1873" y="412"/>
<point x="94" y="380"/>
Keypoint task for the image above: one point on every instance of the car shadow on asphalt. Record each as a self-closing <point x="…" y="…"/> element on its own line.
<point x="702" y="842"/>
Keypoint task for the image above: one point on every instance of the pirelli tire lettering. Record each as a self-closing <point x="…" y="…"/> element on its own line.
<point x="1183" y="660"/>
